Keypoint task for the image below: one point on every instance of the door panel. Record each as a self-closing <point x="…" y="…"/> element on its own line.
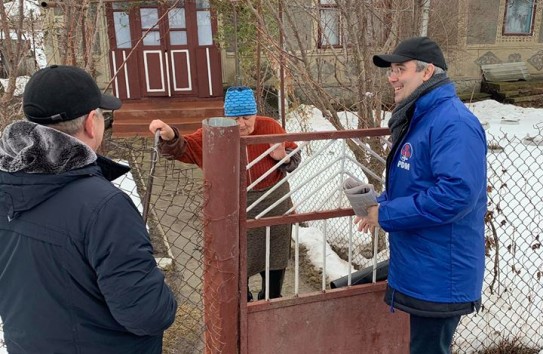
<point x="209" y="72"/>
<point x="125" y="83"/>
<point x="154" y="72"/>
<point x="208" y="61"/>
<point x="182" y="79"/>
<point x="124" y="66"/>
<point x="180" y="47"/>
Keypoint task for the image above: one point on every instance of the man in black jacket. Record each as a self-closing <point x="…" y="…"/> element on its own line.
<point x="77" y="272"/>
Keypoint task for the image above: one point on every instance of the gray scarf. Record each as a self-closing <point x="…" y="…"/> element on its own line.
<point x="33" y="148"/>
<point x="401" y="115"/>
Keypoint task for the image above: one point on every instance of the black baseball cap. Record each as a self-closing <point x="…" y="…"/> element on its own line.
<point x="60" y="93"/>
<point x="416" y="48"/>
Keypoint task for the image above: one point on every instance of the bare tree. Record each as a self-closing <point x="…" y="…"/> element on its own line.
<point x="327" y="49"/>
<point x="425" y="4"/>
<point x="75" y="39"/>
<point x="12" y="54"/>
<point x="73" y="27"/>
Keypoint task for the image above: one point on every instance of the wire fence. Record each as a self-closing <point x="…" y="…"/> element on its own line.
<point x="511" y="314"/>
<point x="318" y="185"/>
<point x="176" y="230"/>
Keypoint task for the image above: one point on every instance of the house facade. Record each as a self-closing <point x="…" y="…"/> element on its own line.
<point x="471" y="33"/>
<point x="166" y="51"/>
<point x="494" y="32"/>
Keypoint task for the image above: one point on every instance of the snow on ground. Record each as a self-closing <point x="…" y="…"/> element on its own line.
<point x="3" y="350"/>
<point x="20" y="84"/>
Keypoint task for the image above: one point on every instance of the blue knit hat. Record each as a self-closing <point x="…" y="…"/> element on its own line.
<point x="239" y="101"/>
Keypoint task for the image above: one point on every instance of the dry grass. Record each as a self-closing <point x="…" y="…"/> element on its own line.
<point x="308" y="272"/>
<point x="181" y="338"/>
<point x="494" y="146"/>
<point x="513" y="346"/>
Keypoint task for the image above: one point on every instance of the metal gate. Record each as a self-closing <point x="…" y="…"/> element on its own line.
<point x="353" y="319"/>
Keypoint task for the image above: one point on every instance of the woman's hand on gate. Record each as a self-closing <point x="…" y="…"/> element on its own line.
<point x="279" y="152"/>
<point x="166" y="132"/>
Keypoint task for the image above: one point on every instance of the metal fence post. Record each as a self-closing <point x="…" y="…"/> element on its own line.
<point x="221" y="234"/>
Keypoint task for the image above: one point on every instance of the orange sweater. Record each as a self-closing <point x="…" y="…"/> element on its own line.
<point x="189" y="149"/>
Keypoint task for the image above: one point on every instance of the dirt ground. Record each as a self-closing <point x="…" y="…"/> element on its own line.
<point x="310" y="278"/>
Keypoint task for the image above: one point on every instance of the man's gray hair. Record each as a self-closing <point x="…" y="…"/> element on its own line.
<point x="421" y="65"/>
<point x="74" y="126"/>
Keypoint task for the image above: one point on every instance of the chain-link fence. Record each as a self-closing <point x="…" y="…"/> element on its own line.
<point x="175" y="226"/>
<point x="512" y="291"/>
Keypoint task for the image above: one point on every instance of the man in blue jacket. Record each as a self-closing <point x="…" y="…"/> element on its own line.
<point x="434" y="202"/>
<point x="77" y="272"/>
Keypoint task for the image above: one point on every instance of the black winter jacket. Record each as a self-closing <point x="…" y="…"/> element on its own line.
<point x="77" y="272"/>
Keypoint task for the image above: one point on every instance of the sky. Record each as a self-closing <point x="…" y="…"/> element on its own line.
<point x="498" y="119"/>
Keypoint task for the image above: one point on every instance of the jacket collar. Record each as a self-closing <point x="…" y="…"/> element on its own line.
<point x="428" y="101"/>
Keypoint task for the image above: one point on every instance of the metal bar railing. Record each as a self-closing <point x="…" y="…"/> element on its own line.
<point x="284" y="180"/>
<point x="321" y="212"/>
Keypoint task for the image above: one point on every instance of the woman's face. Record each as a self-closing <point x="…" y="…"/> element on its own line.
<point x="246" y="124"/>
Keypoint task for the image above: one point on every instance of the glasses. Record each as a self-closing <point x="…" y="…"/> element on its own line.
<point x="396" y="72"/>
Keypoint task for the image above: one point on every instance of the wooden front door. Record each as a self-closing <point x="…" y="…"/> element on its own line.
<point x="164" y="50"/>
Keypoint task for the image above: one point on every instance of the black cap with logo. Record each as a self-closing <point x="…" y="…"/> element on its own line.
<point x="60" y="93"/>
<point x="416" y="48"/>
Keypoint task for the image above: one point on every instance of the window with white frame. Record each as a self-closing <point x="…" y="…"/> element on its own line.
<point x="519" y="17"/>
<point x="203" y="15"/>
<point x="329" y="24"/>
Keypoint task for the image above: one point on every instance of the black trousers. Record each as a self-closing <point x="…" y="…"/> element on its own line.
<point x="432" y="335"/>
<point x="276" y="285"/>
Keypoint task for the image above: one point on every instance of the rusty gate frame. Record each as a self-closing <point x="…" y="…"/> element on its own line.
<point x="347" y="320"/>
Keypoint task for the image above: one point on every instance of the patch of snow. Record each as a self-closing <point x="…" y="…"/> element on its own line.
<point x="31" y="9"/>
<point x="312" y="239"/>
<point x="3" y="349"/>
<point x="20" y="84"/>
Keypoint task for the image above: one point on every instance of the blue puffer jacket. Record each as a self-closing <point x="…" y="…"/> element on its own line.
<point x="434" y="208"/>
<point x="77" y="272"/>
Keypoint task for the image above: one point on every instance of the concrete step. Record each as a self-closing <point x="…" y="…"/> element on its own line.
<point x="168" y="113"/>
<point x="523" y="99"/>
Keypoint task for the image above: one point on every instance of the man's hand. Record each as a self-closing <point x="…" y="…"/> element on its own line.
<point x="370" y="222"/>
<point x="166" y="132"/>
<point x="279" y="153"/>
